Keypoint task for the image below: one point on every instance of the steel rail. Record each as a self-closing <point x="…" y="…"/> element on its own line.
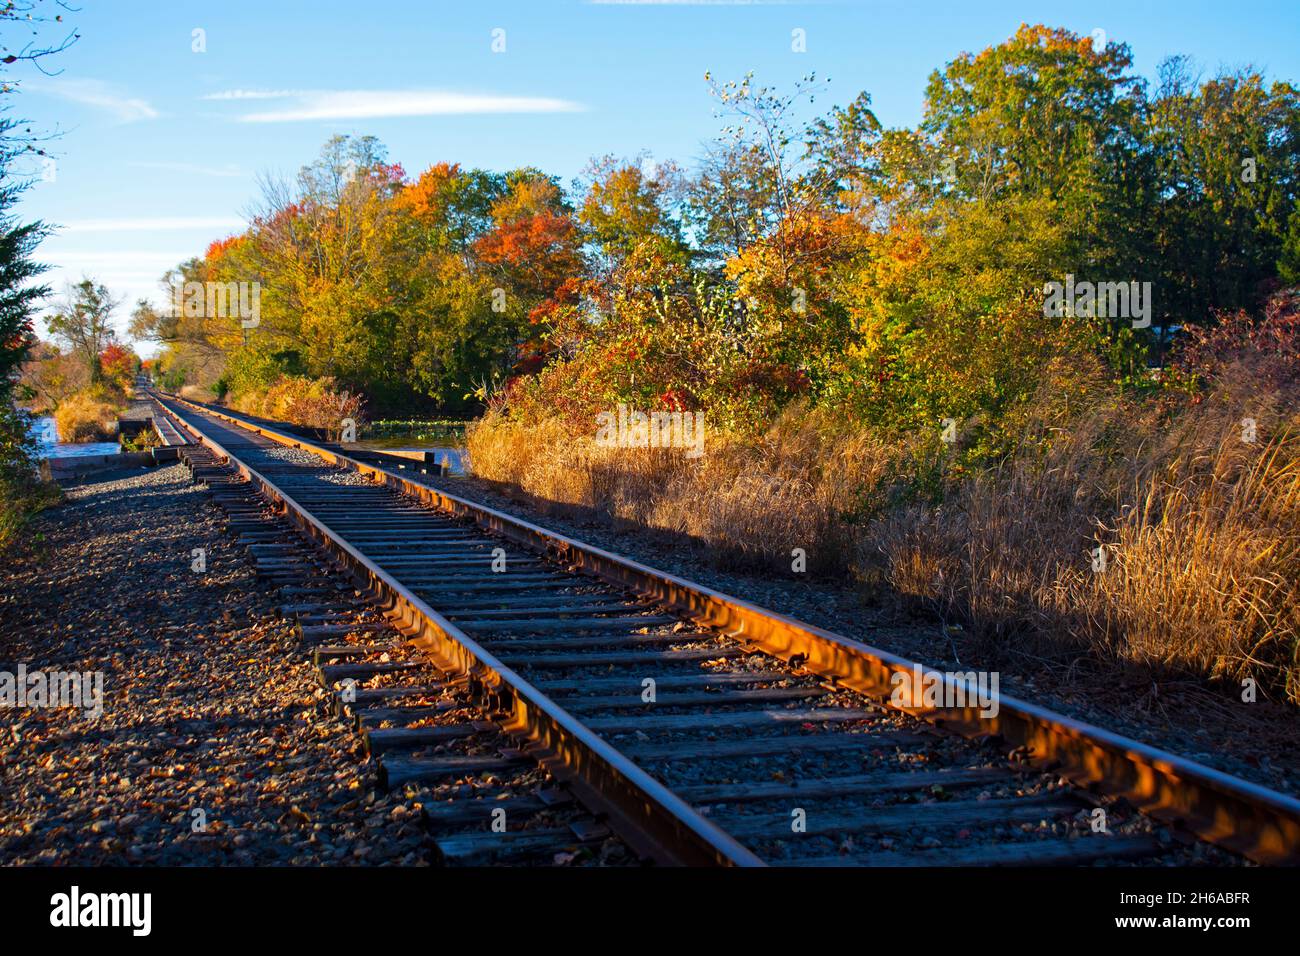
<point x="653" y="819"/>
<point x="1260" y="824"/>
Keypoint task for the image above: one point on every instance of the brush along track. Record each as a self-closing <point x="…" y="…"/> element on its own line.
<point x="702" y="729"/>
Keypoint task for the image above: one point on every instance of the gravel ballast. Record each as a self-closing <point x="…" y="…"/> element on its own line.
<point x="213" y="747"/>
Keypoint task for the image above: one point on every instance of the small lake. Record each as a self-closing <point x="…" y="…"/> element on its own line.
<point x="453" y="455"/>
<point x="49" y="446"/>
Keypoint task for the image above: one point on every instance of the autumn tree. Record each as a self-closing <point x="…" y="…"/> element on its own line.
<point x="533" y="245"/>
<point x="448" y="208"/>
<point x="320" y="249"/>
<point x="529" y="258"/>
<point x="83" y="323"/>
<point x="783" y="200"/>
<point x="454" y="337"/>
<point x="632" y="208"/>
<point x="119" y="365"/>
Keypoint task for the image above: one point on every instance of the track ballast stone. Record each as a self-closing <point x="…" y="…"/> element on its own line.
<point x="206" y="706"/>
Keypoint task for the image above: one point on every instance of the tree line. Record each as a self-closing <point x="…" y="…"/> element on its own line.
<point x="896" y="272"/>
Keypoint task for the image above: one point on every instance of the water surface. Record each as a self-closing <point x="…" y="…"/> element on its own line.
<point x="455" y="461"/>
<point x="49" y="446"/>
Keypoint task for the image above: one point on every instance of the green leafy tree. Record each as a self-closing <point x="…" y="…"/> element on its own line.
<point x="1226" y="158"/>
<point x="84" y="323"/>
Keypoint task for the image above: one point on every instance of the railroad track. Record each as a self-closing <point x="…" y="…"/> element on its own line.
<point x="592" y="701"/>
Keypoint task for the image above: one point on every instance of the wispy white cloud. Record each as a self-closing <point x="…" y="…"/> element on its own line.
<point x="369" y="104"/>
<point x="230" y="169"/>
<point x="96" y="94"/>
<point x="151" y="224"/>
<point x="254" y="94"/>
<point x="694" y="3"/>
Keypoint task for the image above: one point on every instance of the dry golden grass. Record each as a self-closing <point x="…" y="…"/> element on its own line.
<point x="86" y="417"/>
<point x="751" y="502"/>
<point x="1202" y="553"/>
<point x="1201" y="530"/>
<point x="1207" y="569"/>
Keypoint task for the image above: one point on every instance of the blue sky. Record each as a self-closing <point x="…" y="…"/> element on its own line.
<point x="161" y="145"/>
